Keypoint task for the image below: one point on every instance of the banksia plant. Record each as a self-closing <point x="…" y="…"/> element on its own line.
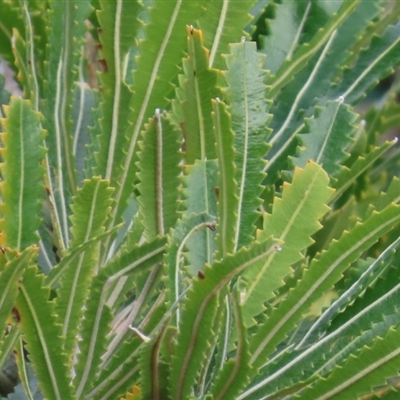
<point x="199" y="200"/>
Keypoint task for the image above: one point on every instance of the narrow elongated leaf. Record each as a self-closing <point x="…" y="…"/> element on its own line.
<point x="197" y="88"/>
<point x="227" y="185"/>
<point x="372" y="65"/>
<point x="293" y="220"/>
<point x="307" y="50"/>
<point x="321" y="357"/>
<point x="361" y="373"/>
<point x="159" y="182"/>
<point x="327" y="136"/>
<point x="22" y="173"/>
<point x="13" y="20"/>
<point x="246" y="94"/>
<point x="70" y="258"/>
<point x="119" y="26"/>
<point x="234" y="374"/>
<point x="42" y="335"/>
<point x="284" y="36"/>
<point x="301" y="94"/>
<point x="347" y="176"/>
<point x="198" y="311"/>
<point x="85" y="101"/>
<point x="177" y="239"/>
<point x="200" y="192"/>
<point x="221" y="24"/>
<point x="66" y="27"/>
<point x="90" y="211"/>
<point x="97" y="316"/>
<point x="94" y="329"/>
<point x="12" y="268"/>
<point x="157" y="67"/>
<point x="122" y="369"/>
<point x="366" y="280"/>
<point x="319" y="278"/>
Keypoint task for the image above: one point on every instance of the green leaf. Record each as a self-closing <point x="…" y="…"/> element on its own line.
<point x="293" y="220"/>
<point x="246" y="94"/>
<point x="197" y="88"/>
<point x="307" y="88"/>
<point x="22" y="174"/>
<point x="286" y="29"/>
<point x="159" y="176"/>
<point x="366" y="280"/>
<point x="362" y="372"/>
<point x="157" y="67"/>
<point x="13" y="20"/>
<point x="235" y="371"/>
<point x="95" y="326"/>
<point x="200" y="192"/>
<point x="302" y="367"/>
<point x="84" y="102"/>
<point x="372" y="64"/>
<point x="199" y="310"/>
<point x="320" y="277"/>
<point x="119" y="25"/>
<point x="42" y="335"/>
<point x="227" y="185"/>
<point x="12" y="268"/>
<point x="70" y="258"/>
<point x="97" y="317"/>
<point x="348" y="176"/>
<point x="308" y="50"/>
<point x="90" y="211"/>
<point x="223" y="22"/>
<point x="327" y="136"/>
<point x="177" y="239"/>
<point x="66" y="27"/>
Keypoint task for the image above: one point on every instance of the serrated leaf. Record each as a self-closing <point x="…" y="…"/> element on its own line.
<point x="84" y="102"/>
<point x="159" y="176"/>
<point x="121" y="370"/>
<point x="93" y="333"/>
<point x="223" y="22"/>
<point x="10" y="276"/>
<point x="197" y="87"/>
<point x="372" y="65"/>
<point x="285" y="30"/>
<point x="42" y="335"/>
<point x="200" y="191"/>
<point x="153" y="370"/>
<point x="90" y="211"/>
<point x="319" y="278"/>
<point x="361" y="373"/>
<point x="293" y="220"/>
<point x="307" y="50"/>
<point x="22" y="174"/>
<point x="119" y="25"/>
<point x="366" y="280"/>
<point x="347" y="176"/>
<point x="13" y="20"/>
<point x="246" y="95"/>
<point x="304" y="91"/>
<point x="227" y="185"/>
<point x="59" y="270"/>
<point x="66" y="27"/>
<point x="235" y="371"/>
<point x="327" y="136"/>
<point x="97" y="316"/>
<point x="177" y="239"/>
<point x="321" y="357"/>
<point x="157" y="67"/>
<point x="199" y="310"/>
